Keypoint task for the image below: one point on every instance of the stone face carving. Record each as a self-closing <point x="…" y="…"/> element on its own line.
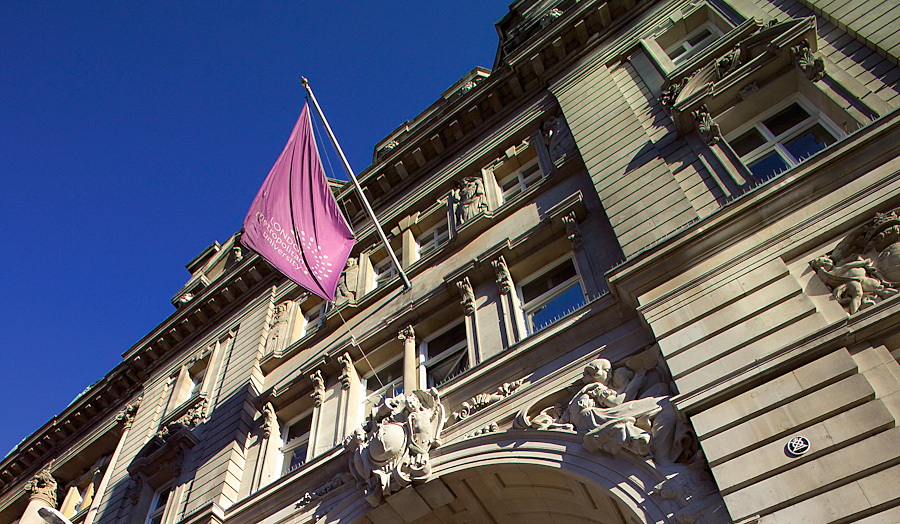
<point x="134" y="491"/>
<point x="348" y="283"/>
<point x="270" y="421"/>
<point x="813" y="67"/>
<point x="278" y="326"/>
<point x="706" y="126"/>
<point x="865" y="266"/>
<point x="469" y="199"/>
<point x="467" y="299"/>
<point x="573" y="231"/>
<point x="191" y="419"/>
<point x="346" y="369"/>
<point x="392" y="451"/>
<point x="483" y="400"/>
<point x="126" y="416"/>
<point x="558" y="138"/>
<point x="238" y="254"/>
<point x="549" y="17"/>
<point x="42" y="487"/>
<point x="504" y="279"/>
<point x="318" y="387"/>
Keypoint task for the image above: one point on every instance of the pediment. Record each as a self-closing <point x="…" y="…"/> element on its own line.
<point x="161" y="459"/>
<point x="751" y="53"/>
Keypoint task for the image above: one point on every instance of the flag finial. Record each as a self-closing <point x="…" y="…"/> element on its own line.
<point x="304" y="81"/>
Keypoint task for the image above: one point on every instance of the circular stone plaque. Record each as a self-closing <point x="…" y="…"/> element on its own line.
<point x="797" y="446"/>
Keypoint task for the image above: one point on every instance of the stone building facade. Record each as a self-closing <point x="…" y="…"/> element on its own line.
<point x="654" y="254"/>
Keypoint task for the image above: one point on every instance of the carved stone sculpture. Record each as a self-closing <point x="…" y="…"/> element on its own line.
<point x="573" y="231"/>
<point x="126" y="416"/>
<point x="504" y="279"/>
<point x="42" y="487"/>
<point x="558" y="138"/>
<point x="813" y="67"/>
<point x="467" y="299"/>
<point x="729" y="62"/>
<point x="706" y="126"/>
<point x="348" y="283"/>
<point x="318" y="387"/>
<point x="185" y="298"/>
<point x="469" y="199"/>
<point x="865" y="266"/>
<point x="346" y="369"/>
<point x="278" y="327"/>
<point x="483" y="400"/>
<point x="392" y="451"/>
<point x="626" y="409"/>
<point x="270" y="421"/>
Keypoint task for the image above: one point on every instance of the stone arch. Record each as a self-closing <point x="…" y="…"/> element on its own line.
<point x="526" y="476"/>
<point x="627" y="480"/>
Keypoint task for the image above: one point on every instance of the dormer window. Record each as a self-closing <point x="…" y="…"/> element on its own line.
<point x="693" y="43"/>
<point x="782" y="138"/>
<point x="314" y="317"/>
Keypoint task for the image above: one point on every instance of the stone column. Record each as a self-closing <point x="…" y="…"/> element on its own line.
<point x="42" y="493"/>
<point x="410" y="362"/>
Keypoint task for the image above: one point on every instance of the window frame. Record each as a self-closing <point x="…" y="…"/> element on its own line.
<point x="437" y="240"/>
<point x="426" y="361"/>
<point x="775" y="143"/>
<point x="385" y="266"/>
<point x="523" y="181"/>
<point x="691" y="50"/>
<point x="537" y="304"/>
<point x="156" y="510"/>
<point x="393" y="385"/>
<point x="302" y="440"/>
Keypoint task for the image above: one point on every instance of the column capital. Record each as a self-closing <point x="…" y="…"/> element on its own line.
<point x="407" y="333"/>
<point x="42" y="487"/>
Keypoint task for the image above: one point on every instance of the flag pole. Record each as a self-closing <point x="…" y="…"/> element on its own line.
<point x="406" y="284"/>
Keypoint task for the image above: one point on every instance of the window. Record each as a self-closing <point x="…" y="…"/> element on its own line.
<point x="295" y="443"/>
<point x="520" y="180"/>
<point x="693" y="43"/>
<point x="314" y="317"/>
<point x="782" y="138"/>
<point x="188" y="383"/>
<point x="158" y="505"/>
<point x="389" y="383"/>
<point x="432" y="238"/>
<point x="445" y="355"/>
<point x="554" y="292"/>
<point x="384" y="270"/>
<point x="80" y="493"/>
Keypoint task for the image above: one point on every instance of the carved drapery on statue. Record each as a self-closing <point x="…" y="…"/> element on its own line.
<point x="392" y="451"/>
<point x="865" y="266"/>
<point x="627" y="410"/>
<point x="469" y="199"/>
<point x="348" y="284"/>
<point x="558" y="138"/>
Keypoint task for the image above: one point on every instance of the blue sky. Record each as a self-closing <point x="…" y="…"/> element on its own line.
<point x="134" y="134"/>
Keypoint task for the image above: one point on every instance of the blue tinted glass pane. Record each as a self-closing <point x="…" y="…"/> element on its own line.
<point x="568" y="301"/>
<point x="810" y="142"/>
<point x="768" y="166"/>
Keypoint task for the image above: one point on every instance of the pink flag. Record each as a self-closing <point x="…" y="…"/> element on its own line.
<point x="294" y="221"/>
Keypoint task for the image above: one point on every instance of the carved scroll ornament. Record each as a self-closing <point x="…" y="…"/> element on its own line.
<point x="318" y="382"/>
<point x="504" y="279"/>
<point x="864" y="268"/>
<point x="483" y="400"/>
<point x="392" y="451"/>
<point x="812" y="66"/>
